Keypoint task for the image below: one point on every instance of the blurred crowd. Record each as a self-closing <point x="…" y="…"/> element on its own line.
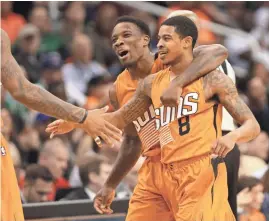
<point x="65" y="47"/>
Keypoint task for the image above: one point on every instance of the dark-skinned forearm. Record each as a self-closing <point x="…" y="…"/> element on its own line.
<point x="133" y="109"/>
<point x="38" y="99"/>
<point x="128" y="155"/>
<point x="206" y="59"/>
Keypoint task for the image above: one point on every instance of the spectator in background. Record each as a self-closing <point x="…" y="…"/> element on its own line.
<point x="50" y="40"/>
<point x="51" y="64"/>
<point x="82" y="69"/>
<point x="58" y="89"/>
<point x="250" y="211"/>
<point x="11" y="22"/>
<point x="98" y="92"/>
<point x="205" y="35"/>
<point x="265" y="205"/>
<point x="258" y="102"/>
<point x="73" y="22"/>
<point x="258" y="147"/>
<point x="26" y="53"/>
<point x="93" y="171"/>
<point x="7" y="128"/>
<point x="16" y="159"/>
<point x="37" y="185"/>
<point x="55" y="156"/>
<point x="107" y="14"/>
<point x="29" y="144"/>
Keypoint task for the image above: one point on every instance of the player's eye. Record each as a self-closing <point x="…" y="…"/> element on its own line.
<point x="127" y="35"/>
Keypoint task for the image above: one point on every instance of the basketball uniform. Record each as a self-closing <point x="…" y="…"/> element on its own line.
<point x="11" y="207"/>
<point x="146" y="203"/>
<point x="195" y="186"/>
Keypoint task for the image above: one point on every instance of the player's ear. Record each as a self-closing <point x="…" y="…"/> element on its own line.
<point x="146" y="40"/>
<point x="187" y="42"/>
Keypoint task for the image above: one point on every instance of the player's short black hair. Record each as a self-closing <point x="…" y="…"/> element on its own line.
<point x="144" y="28"/>
<point x="184" y="27"/>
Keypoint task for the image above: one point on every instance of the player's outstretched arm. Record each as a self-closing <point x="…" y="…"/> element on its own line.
<point x="217" y="83"/>
<point x="41" y="100"/>
<point x="206" y="59"/>
<point x="135" y="107"/>
<point x="127" y="157"/>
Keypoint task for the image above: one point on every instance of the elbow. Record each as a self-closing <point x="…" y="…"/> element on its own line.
<point x="18" y="95"/>
<point x="221" y="51"/>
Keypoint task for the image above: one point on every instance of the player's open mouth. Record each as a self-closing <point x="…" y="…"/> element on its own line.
<point x="123" y="54"/>
<point x="162" y="54"/>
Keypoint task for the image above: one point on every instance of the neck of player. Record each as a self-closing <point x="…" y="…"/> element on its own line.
<point x="143" y="66"/>
<point x="181" y="64"/>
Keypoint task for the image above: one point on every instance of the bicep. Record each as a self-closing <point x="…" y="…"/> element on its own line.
<point x="12" y="77"/>
<point x="230" y="99"/>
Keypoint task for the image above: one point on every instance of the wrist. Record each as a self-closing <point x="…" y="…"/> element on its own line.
<point x="84" y="117"/>
<point x="177" y="82"/>
<point x="234" y="136"/>
<point x="109" y="185"/>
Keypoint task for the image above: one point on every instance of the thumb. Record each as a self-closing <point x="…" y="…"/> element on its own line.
<point x="105" y="109"/>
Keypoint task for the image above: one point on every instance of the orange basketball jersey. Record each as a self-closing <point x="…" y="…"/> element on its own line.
<point x="145" y="125"/>
<point x="11" y="207"/>
<point x="190" y="129"/>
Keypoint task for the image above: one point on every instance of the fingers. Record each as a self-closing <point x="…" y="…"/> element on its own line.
<point x="113" y="132"/>
<point x="224" y="154"/>
<point x="106" y="139"/>
<point x="222" y="150"/>
<point x="101" y="207"/>
<point x="97" y="205"/>
<point x="55" y="123"/>
<point x="214" y="146"/>
<point x="105" y="109"/>
<point x="51" y="129"/>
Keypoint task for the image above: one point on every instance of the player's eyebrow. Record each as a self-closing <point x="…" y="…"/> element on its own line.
<point x="120" y="33"/>
<point x="164" y="35"/>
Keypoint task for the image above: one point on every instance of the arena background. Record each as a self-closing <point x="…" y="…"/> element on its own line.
<point x="49" y="39"/>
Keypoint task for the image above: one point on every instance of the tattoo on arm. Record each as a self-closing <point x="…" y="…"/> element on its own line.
<point x="139" y="103"/>
<point x="31" y="95"/>
<point x="206" y="58"/>
<point x="217" y="83"/>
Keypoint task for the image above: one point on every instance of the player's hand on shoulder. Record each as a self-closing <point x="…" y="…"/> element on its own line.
<point x="170" y="96"/>
<point x="103" y="200"/>
<point x="223" y="145"/>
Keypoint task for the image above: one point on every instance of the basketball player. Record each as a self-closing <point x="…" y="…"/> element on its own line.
<point x="186" y="134"/>
<point x="124" y="89"/>
<point x="232" y="160"/>
<point x="40" y="100"/>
